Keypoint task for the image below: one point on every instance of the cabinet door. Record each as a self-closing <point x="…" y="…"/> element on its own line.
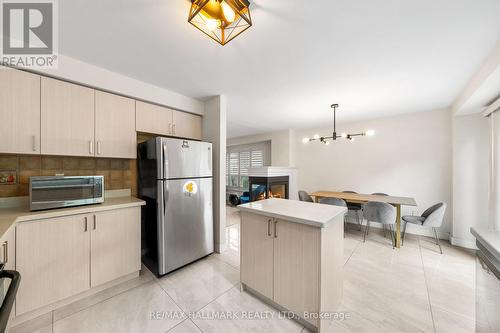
<point x="115" y="244"/>
<point x="153" y="119"/>
<point x="186" y="125"/>
<point x="8" y="248"/>
<point x="19" y="112"/>
<point x="53" y="258"/>
<point x="115" y="126"/>
<point x="257" y="253"/>
<point x="67" y="119"/>
<point x="297" y="267"/>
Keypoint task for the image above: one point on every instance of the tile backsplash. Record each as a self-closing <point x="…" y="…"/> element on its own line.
<point x="118" y="173"/>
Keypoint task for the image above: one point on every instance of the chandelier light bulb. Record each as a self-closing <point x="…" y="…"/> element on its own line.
<point x="344" y="135"/>
<point x="211" y="24"/>
<point x="316" y="136"/>
<point x="370" y="133"/>
<point x="228" y="12"/>
<point x="305" y="140"/>
<point x="327" y="143"/>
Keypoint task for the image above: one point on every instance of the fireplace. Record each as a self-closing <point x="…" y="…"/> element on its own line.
<point x="268" y="187"/>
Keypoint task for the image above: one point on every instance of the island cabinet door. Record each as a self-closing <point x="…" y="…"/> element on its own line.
<point x="257" y="253"/>
<point x="297" y="267"/>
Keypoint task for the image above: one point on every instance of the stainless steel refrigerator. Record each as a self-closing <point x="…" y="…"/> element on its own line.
<point x="175" y="180"/>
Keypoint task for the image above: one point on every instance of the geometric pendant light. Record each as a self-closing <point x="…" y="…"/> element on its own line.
<point x="221" y="20"/>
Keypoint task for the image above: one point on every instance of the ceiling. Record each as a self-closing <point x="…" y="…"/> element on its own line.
<point x="373" y="57"/>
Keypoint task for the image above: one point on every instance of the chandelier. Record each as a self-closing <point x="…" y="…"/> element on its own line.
<point x="326" y="139"/>
<point x="221" y="20"/>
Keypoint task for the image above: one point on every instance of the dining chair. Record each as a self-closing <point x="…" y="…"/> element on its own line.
<point x="385" y="195"/>
<point x="380" y="212"/>
<point x="356" y="208"/>
<point x="303" y="196"/>
<point x="335" y="202"/>
<point x="432" y="217"/>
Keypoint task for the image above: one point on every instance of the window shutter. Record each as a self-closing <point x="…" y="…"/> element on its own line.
<point x="257" y="158"/>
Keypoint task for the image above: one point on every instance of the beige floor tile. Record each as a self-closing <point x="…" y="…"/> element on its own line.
<point x="196" y="285"/>
<point x="187" y="326"/>
<point x="41" y="324"/>
<point x="448" y="322"/>
<point x="127" y="312"/>
<point x="237" y="304"/>
<point x="66" y="311"/>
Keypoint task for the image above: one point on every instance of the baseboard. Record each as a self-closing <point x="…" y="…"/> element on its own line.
<point x="466" y="243"/>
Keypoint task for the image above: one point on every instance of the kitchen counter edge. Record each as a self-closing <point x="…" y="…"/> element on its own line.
<point x="10" y="216"/>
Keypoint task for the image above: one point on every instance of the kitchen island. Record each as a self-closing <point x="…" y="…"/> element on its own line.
<point x="292" y="257"/>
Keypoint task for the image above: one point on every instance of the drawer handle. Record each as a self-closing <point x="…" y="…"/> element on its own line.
<point x="86" y="224"/>
<point x="91" y="147"/>
<point x="98" y="147"/>
<point x="269" y="227"/>
<point x="95" y="224"/>
<point x="6" y="252"/>
<point x="275" y="229"/>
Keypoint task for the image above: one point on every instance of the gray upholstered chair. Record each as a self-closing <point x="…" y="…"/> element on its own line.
<point x="432" y="217"/>
<point x="334" y="202"/>
<point x="380" y="212"/>
<point x="303" y="196"/>
<point x="356" y="208"/>
<point x="385" y="195"/>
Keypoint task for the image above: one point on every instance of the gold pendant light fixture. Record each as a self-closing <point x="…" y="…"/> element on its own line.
<point x="328" y="138"/>
<point x="221" y="20"/>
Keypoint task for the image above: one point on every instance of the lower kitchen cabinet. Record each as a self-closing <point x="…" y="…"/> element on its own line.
<point x="53" y="260"/>
<point x="257" y="253"/>
<point x="297" y="266"/>
<point x="115" y="244"/>
<point x="64" y="256"/>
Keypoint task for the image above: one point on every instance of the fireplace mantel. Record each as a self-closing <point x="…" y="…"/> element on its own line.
<point x="271" y="171"/>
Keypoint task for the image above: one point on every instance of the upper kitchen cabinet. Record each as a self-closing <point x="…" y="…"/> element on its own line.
<point x="160" y="120"/>
<point x="153" y="119"/>
<point x="186" y="125"/>
<point x="19" y="112"/>
<point x="67" y="115"/>
<point x="115" y="134"/>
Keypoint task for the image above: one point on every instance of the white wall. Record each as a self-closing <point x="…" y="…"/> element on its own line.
<point x="410" y="155"/>
<point x="214" y="131"/>
<point x="471" y="142"/>
<point x="80" y="72"/>
<point x="282" y="149"/>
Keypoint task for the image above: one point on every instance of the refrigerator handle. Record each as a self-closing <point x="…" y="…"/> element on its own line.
<point x="163" y="160"/>
<point x="164" y="198"/>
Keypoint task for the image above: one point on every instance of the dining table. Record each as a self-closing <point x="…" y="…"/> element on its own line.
<point x="364" y="198"/>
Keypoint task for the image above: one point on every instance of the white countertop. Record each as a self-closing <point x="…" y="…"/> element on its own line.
<point x="489" y="238"/>
<point x="13" y="215"/>
<point x="313" y="214"/>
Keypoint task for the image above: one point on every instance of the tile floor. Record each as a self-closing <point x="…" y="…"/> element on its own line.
<point x="413" y="289"/>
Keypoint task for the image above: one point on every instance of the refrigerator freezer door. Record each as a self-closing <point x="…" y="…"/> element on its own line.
<point x="185" y="230"/>
<point x="184" y="158"/>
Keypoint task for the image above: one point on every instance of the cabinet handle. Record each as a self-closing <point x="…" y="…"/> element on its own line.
<point x="173" y="128"/>
<point x="33" y="143"/>
<point x="86" y="224"/>
<point x="98" y="147"/>
<point x="269" y="227"/>
<point x="95" y="224"/>
<point x="3" y="253"/>
<point x="169" y="128"/>
<point x="91" y="147"/>
<point x="6" y="252"/>
<point x="275" y="229"/>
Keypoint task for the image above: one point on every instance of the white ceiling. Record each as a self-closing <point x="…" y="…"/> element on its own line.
<point x="373" y="57"/>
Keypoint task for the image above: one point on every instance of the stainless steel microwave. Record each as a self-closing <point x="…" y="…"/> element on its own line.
<point x="61" y="191"/>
